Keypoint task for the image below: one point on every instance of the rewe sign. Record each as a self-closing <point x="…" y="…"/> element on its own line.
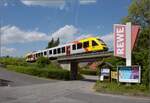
<point x="120" y="40"/>
<point x="124" y="40"/>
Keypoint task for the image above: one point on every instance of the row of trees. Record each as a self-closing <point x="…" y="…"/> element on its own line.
<point x="53" y="43"/>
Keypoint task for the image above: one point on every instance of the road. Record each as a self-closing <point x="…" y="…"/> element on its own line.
<point x="51" y="91"/>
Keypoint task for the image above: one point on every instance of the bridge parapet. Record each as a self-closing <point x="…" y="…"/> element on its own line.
<point x="85" y="57"/>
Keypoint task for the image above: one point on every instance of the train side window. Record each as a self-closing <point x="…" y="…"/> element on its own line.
<point x="50" y="51"/>
<point x="54" y="51"/>
<point x="74" y="47"/>
<point x="86" y="44"/>
<point x="45" y="53"/>
<point x="36" y="55"/>
<point x="41" y="54"/>
<point x="94" y="43"/>
<point x="63" y="49"/>
<point x="79" y="45"/>
<point x="58" y="51"/>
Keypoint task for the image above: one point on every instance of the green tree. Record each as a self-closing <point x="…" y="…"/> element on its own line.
<point x="50" y="43"/>
<point x="139" y="13"/>
<point x="57" y="42"/>
<point x="53" y="43"/>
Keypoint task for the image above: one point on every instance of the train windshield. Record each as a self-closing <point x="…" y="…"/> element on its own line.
<point x="101" y="41"/>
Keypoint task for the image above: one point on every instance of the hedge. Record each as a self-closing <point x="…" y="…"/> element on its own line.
<point x="47" y="73"/>
<point x="88" y="72"/>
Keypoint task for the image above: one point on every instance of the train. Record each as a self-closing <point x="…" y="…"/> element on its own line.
<point x="86" y="45"/>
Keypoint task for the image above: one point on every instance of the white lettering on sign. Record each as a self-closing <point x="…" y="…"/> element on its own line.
<point x="119" y="46"/>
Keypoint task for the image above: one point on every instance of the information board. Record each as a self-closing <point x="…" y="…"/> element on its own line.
<point x="129" y="74"/>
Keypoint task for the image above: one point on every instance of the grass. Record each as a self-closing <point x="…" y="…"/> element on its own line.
<point x="123" y="89"/>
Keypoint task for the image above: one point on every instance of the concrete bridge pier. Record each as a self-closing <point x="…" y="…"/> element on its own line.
<point x="72" y="67"/>
<point x="74" y="70"/>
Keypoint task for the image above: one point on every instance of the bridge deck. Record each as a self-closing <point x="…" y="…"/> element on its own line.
<point x="85" y="57"/>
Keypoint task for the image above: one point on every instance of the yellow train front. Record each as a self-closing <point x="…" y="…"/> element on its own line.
<point x="93" y="44"/>
<point x="87" y="45"/>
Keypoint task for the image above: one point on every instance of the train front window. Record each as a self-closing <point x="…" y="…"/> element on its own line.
<point x="86" y="44"/>
<point x="94" y="43"/>
<point x="101" y="41"/>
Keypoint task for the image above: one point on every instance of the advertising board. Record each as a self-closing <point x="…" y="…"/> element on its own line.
<point x="129" y="74"/>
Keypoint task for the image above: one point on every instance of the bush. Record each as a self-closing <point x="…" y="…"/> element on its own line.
<point x="47" y="73"/>
<point x="42" y="62"/>
<point x="88" y="72"/>
<point x="13" y="61"/>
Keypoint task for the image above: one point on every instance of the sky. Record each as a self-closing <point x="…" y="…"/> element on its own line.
<point x="28" y="25"/>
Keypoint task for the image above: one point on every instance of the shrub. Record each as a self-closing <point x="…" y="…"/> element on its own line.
<point x="13" y="61"/>
<point x="47" y="73"/>
<point x="88" y="72"/>
<point x="42" y="62"/>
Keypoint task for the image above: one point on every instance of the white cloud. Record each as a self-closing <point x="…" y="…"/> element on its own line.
<point x="85" y="2"/>
<point x="108" y="39"/>
<point x="66" y="33"/>
<point x="47" y="3"/>
<point x="7" y="51"/>
<point x="5" y="4"/>
<point x="56" y="3"/>
<point x="84" y="36"/>
<point x="13" y="34"/>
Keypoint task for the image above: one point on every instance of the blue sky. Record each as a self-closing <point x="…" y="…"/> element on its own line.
<point x="28" y="25"/>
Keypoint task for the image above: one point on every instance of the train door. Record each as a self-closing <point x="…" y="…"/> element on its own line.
<point x="67" y="50"/>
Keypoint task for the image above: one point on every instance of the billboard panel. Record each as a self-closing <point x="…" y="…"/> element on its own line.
<point x="120" y="40"/>
<point x="129" y="74"/>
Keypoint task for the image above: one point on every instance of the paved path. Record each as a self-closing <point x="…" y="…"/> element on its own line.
<point x="19" y="79"/>
<point x="60" y="92"/>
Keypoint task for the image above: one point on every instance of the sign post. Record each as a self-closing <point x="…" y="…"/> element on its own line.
<point x="128" y="44"/>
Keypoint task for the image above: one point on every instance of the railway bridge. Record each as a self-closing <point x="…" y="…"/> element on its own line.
<point x="73" y="60"/>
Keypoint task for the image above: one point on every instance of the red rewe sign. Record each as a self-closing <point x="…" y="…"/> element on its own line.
<point x="120" y="40"/>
